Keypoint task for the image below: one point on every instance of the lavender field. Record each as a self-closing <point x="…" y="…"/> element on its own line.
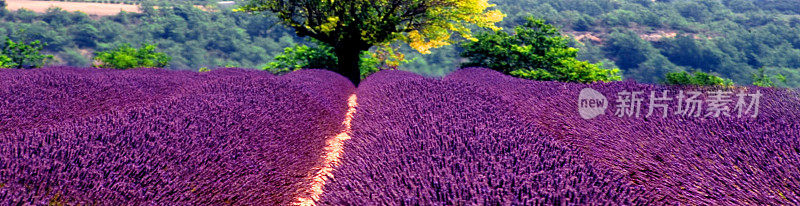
<point x="474" y="137"/>
<point x="691" y="160"/>
<point x="149" y="136"/>
<point x="433" y="142"/>
<point x="481" y="137"/>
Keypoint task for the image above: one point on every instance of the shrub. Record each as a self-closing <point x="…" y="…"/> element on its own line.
<point x="696" y="79"/>
<point x="762" y="79"/>
<point x="302" y="56"/>
<point x="21" y="55"/>
<point x="537" y="51"/>
<point x="321" y="56"/>
<point x="127" y="57"/>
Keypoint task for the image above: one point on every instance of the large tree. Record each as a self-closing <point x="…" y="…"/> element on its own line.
<point x="353" y="26"/>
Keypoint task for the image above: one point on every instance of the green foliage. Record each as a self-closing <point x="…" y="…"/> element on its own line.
<point x="729" y="38"/>
<point x="5" y="62"/>
<point x="75" y="58"/>
<point x="321" y="56"/>
<point x="84" y="35"/>
<point x="354" y="26"/>
<point x="303" y="56"/>
<point x="537" y="51"/>
<point x="21" y="55"/>
<point x="696" y="79"/>
<point x="193" y="37"/>
<point x="628" y="49"/>
<point x="3" y="10"/>
<point x="762" y="79"/>
<point x="127" y="57"/>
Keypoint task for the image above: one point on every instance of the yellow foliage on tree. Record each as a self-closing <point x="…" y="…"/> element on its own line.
<point x="353" y="26"/>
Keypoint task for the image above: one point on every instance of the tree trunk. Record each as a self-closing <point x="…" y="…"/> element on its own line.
<point x="349" y="59"/>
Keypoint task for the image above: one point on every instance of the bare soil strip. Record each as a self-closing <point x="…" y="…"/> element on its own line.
<point x="333" y="151"/>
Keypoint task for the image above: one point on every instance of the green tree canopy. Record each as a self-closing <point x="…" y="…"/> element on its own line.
<point x="537" y="51"/>
<point x="354" y="26"/>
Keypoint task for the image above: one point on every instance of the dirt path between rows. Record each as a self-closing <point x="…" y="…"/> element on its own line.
<point x="333" y="152"/>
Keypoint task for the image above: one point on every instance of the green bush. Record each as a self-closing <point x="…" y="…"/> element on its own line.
<point x="321" y="56"/>
<point x="127" y="57"/>
<point x="762" y="79"/>
<point x="537" y="51"/>
<point x="696" y="79"/>
<point x="303" y="56"/>
<point x="5" y="61"/>
<point x="22" y="55"/>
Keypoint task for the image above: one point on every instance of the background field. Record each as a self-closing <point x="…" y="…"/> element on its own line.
<point x="99" y="9"/>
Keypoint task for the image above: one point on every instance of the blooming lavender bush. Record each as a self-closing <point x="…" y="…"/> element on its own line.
<point x="689" y="160"/>
<point x="147" y="136"/>
<point x="432" y="142"/>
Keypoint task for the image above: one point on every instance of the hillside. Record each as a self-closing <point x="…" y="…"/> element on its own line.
<point x="645" y="39"/>
<point x="730" y="38"/>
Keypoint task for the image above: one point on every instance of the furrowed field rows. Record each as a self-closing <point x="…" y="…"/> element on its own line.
<point x="474" y="137"/>
<point x="433" y="142"/>
<point x="690" y="160"/>
<point x="33" y="98"/>
<point x="222" y="137"/>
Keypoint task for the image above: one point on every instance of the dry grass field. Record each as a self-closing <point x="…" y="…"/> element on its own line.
<point x="99" y="9"/>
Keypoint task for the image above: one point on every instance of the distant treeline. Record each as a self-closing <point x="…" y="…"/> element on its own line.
<point x="194" y="38"/>
<point x="727" y="38"/>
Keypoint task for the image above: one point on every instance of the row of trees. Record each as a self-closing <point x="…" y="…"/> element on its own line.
<point x="702" y="44"/>
<point x="192" y="37"/>
<point x="23" y="55"/>
<point x="729" y="39"/>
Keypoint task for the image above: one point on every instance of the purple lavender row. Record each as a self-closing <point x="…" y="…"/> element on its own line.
<point x="420" y="141"/>
<point x="226" y="137"/>
<point x="31" y="98"/>
<point x="702" y="160"/>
